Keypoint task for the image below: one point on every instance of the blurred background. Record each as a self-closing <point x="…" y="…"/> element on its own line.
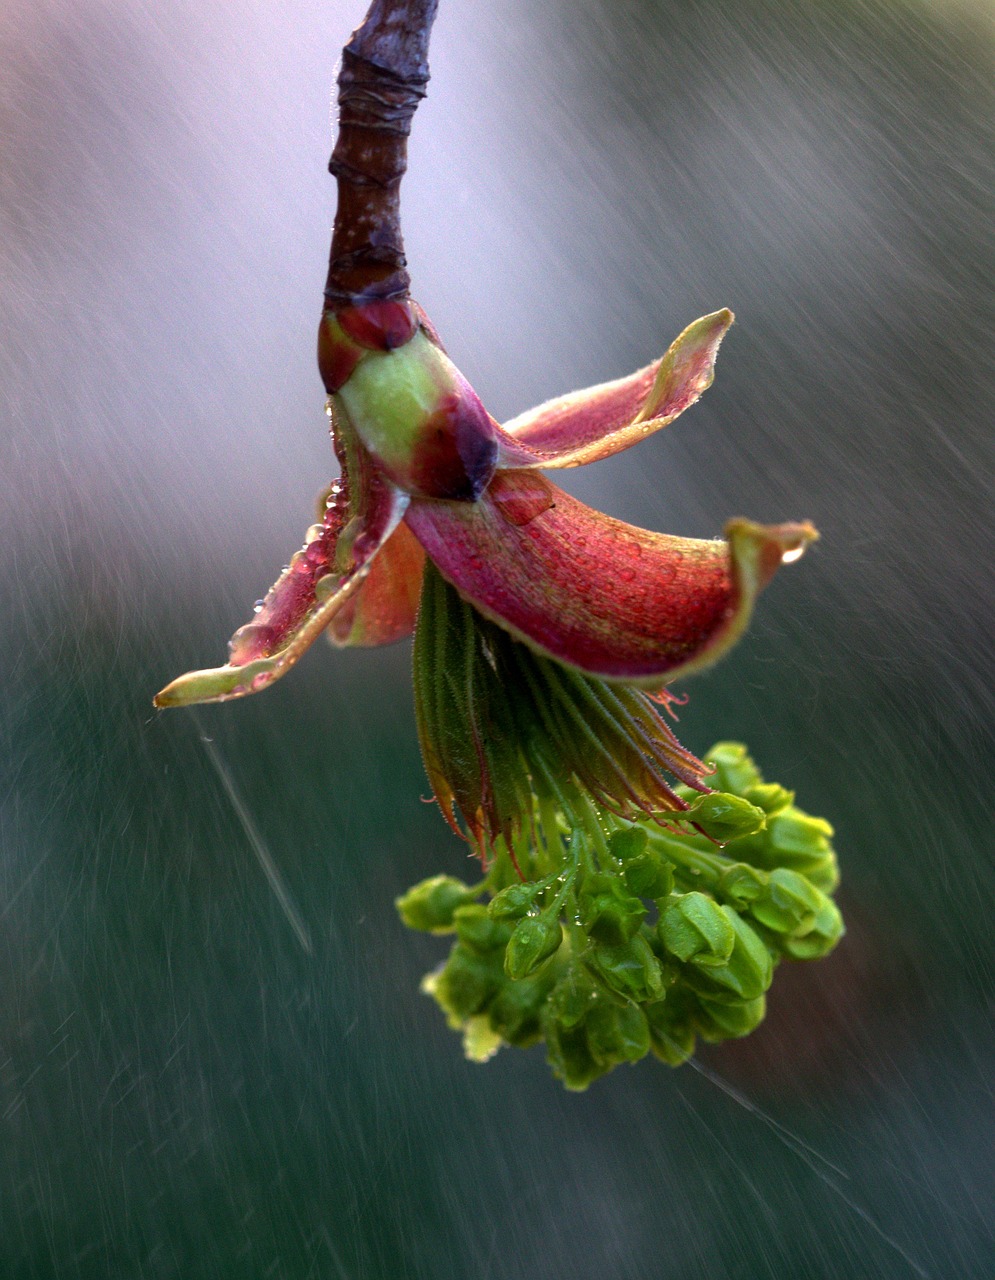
<point x="184" y="1091"/>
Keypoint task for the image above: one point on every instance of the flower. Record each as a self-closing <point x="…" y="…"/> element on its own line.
<point x="541" y="621"/>
<point x="426" y="471"/>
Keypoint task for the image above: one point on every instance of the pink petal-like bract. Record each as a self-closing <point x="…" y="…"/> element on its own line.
<point x="612" y="600"/>
<point x="319" y="580"/>
<point x="587" y="425"/>
<point x="384" y="608"/>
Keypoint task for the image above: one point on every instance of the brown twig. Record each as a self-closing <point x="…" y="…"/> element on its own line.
<point x="383" y="78"/>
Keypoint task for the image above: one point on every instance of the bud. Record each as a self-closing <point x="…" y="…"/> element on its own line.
<point x="572" y="996"/>
<point x="627" y="843"/>
<point x="421" y="420"/>
<point x="790" y="904"/>
<point x="617" y="1033"/>
<point x="534" y="940"/>
<point x="631" y="970"/>
<point x="826" y="931"/>
<point x="716" y="1021"/>
<point x="726" y="817"/>
<point x="793" y="839"/>
<point x="430" y="905"/>
<point x="464" y="985"/>
<point x="569" y="1055"/>
<point x="649" y="875"/>
<point x="745" y="975"/>
<point x="741" y="884"/>
<point x="607" y="913"/>
<point x="477" y="930"/>
<point x="514" y="1011"/>
<point x="513" y="902"/>
<point x="734" y="770"/>
<point x="671" y="1038"/>
<point x="769" y="796"/>
<point x="694" y="927"/>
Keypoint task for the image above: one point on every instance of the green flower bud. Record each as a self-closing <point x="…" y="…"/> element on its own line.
<point x="608" y="913"/>
<point x="826" y="931"/>
<point x="617" y="1033"/>
<point x="627" y="843"/>
<point x="572" y="996"/>
<point x="769" y="796"/>
<point x="649" y="875"/>
<point x="569" y="1055"/>
<point x="464" y="985"/>
<point x="716" y="1021"/>
<point x="631" y="969"/>
<point x="514" y="1012"/>
<point x="477" y="930"/>
<point x="745" y="975"/>
<point x="726" y="817"/>
<point x="513" y="902"/>
<point x="533" y="940"/>
<point x="694" y="927"/>
<point x="741" y="884"/>
<point x="734" y="770"/>
<point x="790" y="904"/>
<point x="430" y="905"/>
<point x="672" y="1035"/>
<point x="795" y="840"/>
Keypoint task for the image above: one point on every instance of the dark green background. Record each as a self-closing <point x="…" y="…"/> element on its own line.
<point x="183" y="1091"/>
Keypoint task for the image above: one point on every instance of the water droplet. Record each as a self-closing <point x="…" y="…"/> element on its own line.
<point x="627" y="575"/>
<point x="326" y="587"/>
<point x="792" y="554"/>
<point x="258" y="606"/>
<point x="259" y="681"/>
<point x="252" y="641"/>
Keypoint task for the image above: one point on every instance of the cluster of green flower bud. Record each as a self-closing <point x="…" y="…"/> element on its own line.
<point x="607" y="939"/>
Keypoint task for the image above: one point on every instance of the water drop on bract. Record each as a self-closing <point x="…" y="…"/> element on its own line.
<point x="258" y="606"/>
<point x="792" y="554"/>
<point x="325" y="587"/>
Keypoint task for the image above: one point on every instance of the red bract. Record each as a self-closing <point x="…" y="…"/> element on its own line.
<point x="425" y="470"/>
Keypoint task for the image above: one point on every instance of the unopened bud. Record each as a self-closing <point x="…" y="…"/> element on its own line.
<point x="694" y="927"/>
<point x="534" y="940"/>
<point x="745" y="975"/>
<point x="476" y="929"/>
<point x="632" y="970"/>
<point x="626" y="844"/>
<point x="718" y="1021"/>
<point x="617" y="1033"/>
<point x="790" y="904"/>
<point x="826" y="931"/>
<point x="649" y="875"/>
<point x="726" y="817"/>
<point x="513" y="902"/>
<point x="734" y="770"/>
<point x="608" y="913"/>
<point x="430" y="905"/>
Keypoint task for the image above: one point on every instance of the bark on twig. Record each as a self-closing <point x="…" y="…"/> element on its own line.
<point x="383" y="78"/>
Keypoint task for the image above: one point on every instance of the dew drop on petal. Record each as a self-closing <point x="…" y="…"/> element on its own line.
<point x="792" y="554"/>
<point x="252" y="641"/>
<point x="326" y="586"/>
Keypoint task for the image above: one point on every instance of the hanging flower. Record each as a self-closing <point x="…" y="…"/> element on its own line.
<point x="426" y="470"/>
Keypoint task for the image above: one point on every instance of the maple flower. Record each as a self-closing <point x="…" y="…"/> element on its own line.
<point x="426" y="472"/>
